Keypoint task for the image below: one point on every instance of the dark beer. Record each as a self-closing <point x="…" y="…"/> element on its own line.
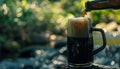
<point x="79" y="42"/>
<point x="79" y="50"/>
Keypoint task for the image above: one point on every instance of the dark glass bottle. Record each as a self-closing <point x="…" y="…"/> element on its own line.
<point x="102" y="4"/>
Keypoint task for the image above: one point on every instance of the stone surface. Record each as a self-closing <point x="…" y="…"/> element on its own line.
<point x="53" y="58"/>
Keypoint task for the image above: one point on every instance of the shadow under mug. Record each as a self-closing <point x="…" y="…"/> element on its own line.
<point x="80" y="42"/>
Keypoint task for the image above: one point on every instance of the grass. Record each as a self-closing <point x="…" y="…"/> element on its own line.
<point x="111" y="40"/>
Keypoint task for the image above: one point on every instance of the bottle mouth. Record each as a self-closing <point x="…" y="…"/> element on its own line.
<point x="88" y="6"/>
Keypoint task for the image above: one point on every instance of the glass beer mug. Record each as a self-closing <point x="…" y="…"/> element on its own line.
<point x="80" y="42"/>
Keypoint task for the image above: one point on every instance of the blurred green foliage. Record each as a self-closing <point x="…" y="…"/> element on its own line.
<point x="22" y="19"/>
<point x="105" y="16"/>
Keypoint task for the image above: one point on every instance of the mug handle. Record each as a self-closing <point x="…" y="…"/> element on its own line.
<point x="103" y="38"/>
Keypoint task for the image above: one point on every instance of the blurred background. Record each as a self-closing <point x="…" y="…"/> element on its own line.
<point x="34" y="31"/>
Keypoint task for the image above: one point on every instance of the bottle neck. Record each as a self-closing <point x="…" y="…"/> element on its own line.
<point x="98" y="5"/>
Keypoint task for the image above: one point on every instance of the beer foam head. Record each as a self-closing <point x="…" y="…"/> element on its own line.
<point x="78" y="27"/>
